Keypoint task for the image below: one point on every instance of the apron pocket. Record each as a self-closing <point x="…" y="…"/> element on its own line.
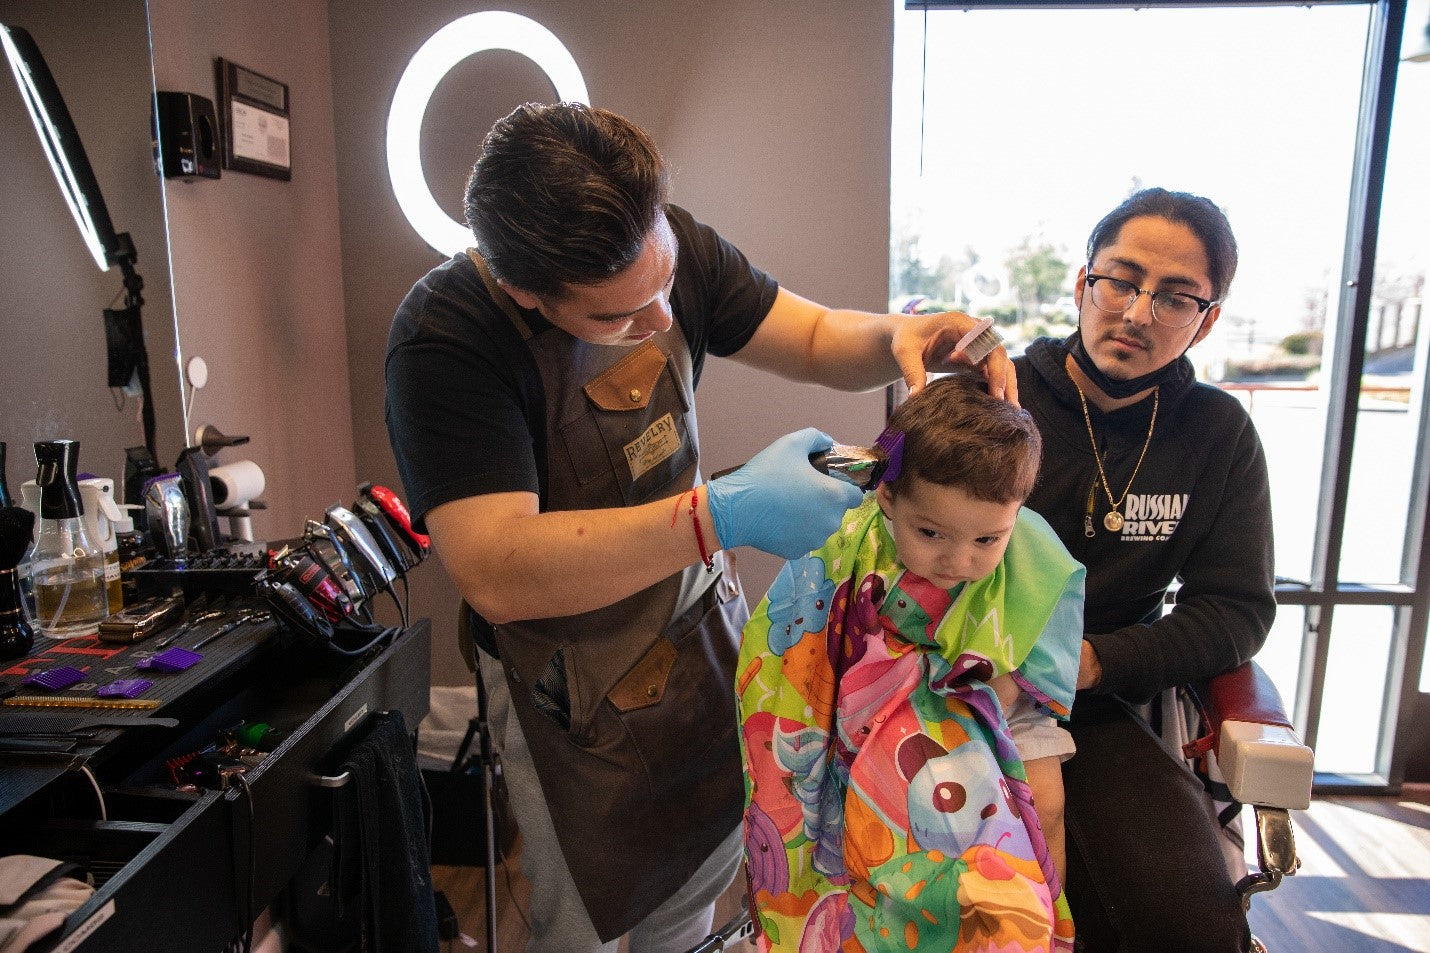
<point x="638" y="450"/>
<point x="681" y="697"/>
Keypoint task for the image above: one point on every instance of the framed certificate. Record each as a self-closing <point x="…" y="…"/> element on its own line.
<point x="253" y="110"/>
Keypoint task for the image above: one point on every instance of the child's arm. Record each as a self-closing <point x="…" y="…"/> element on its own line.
<point x="1043" y="746"/>
<point x="1008" y="693"/>
<point x="1045" y="777"/>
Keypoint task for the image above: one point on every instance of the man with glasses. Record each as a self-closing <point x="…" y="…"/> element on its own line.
<point x="1150" y="477"/>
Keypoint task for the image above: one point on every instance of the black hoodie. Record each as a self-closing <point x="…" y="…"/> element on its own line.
<point x="1199" y="510"/>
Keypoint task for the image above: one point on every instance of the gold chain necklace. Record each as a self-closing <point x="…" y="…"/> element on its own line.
<point x="1113" y="520"/>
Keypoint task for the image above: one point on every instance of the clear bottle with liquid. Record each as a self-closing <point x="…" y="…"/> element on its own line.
<point x="101" y="513"/>
<point x="65" y="568"/>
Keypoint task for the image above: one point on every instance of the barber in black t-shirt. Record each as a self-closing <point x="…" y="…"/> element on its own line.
<point x="541" y="408"/>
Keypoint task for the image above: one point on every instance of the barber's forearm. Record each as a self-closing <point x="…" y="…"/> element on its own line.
<point x="844" y="350"/>
<point x="853" y="351"/>
<point x="567" y="562"/>
<point x="802" y="340"/>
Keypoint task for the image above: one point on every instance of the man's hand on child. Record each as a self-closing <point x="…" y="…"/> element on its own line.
<point x="1089" y="667"/>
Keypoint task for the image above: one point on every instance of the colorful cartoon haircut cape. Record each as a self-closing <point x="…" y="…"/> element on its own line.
<point x="886" y="805"/>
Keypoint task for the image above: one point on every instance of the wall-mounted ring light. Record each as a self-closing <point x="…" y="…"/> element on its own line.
<point x="475" y="33"/>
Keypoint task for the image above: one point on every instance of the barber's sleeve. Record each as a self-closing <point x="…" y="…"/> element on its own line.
<point x="1227" y="599"/>
<point x="456" y="427"/>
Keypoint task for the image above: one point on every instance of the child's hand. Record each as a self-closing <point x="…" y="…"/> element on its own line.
<point x="1006" y="689"/>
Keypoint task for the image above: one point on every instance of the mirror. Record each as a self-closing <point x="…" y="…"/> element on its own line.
<point x="54" y="342"/>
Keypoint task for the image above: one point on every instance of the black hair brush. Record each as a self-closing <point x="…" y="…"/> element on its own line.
<point x="16" y="526"/>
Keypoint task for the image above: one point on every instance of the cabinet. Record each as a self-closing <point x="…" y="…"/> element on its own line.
<point x="173" y="868"/>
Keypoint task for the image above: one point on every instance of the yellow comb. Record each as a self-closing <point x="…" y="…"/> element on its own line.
<point x="43" y="701"/>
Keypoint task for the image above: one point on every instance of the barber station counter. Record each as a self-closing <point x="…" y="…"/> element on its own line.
<point x="180" y="867"/>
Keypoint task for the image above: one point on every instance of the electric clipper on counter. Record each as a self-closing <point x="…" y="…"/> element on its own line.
<point x="167" y="512"/>
<point x="368" y="558"/>
<point x="394" y="511"/>
<point x="141" y="620"/>
<point x="193" y="466"/>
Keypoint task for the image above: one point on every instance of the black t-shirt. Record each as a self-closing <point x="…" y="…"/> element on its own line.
<point x="465" y="406"/>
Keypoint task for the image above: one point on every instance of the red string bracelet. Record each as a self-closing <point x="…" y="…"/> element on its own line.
<point x="699" y="536"/>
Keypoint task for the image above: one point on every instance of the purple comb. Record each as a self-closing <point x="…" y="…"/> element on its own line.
<point x="892" y="443"/>
<point x="125" y="688"/>
<point x="171" y="660"/>
<point x="55" y="679"/>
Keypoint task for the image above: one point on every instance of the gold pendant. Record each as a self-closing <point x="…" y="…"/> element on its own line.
<point x="1113" y="521"/>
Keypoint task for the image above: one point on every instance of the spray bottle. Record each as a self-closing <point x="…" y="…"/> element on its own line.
<point x="65" y="568"/>
<point x="101" y="514"/>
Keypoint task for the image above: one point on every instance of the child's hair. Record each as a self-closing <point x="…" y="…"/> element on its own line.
<point x="955" y="434"/>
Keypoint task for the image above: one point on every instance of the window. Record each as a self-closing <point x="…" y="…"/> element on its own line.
<point x="1016" y="126"/>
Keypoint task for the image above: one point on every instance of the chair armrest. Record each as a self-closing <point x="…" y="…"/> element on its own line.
<point x="1262" y="759"/>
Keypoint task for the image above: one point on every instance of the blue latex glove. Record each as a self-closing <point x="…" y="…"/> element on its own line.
<point x="778" y="502"/>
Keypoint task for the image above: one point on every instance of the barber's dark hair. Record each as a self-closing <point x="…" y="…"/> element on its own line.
<point x="955" y="434"/>
<point x="1199" y="214"/>
<point x="564" y="194"/>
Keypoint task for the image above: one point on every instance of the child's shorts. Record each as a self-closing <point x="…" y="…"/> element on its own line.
<point x="1036" y="733"/>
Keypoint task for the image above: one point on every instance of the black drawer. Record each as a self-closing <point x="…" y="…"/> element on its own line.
<point x="173" y="867"/>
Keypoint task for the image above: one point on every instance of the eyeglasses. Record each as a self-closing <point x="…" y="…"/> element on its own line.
<point x="1175" y="309"/>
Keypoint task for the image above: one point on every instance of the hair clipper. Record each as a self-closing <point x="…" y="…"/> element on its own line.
<point x="296" y="612"/>
<point x="325" y="546"/>
<point x="857" y="465"/>
<point x="396" y="513"/>
<point x="382" y="531"/>
<point x="367" y="556"/>
<point x="313" y="580"/>
<point x="193" y="466"/>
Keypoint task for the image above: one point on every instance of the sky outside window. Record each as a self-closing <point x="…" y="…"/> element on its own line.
<point x="1034" y="123"/>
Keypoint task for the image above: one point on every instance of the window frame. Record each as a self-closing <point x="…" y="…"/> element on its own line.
<point x="1319" y="596"/>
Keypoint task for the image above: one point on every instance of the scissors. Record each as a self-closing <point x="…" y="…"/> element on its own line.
<point x="245" y="617"/>
<point x="188" y="624"/>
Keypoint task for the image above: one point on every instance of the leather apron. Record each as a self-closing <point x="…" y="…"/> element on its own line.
<point x="629" y="710"/>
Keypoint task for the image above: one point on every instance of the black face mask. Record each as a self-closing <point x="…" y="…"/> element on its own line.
<point x="1119" y="389"/>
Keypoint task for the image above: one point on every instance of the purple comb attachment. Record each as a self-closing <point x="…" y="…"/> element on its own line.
<point x="125" y="688"/>
<point x="55" y="679"/>
<point x="171" y="660"/>
<point x="892" y="443"/>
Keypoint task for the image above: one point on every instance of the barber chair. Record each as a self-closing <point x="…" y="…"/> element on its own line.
<point x="1264" y="764"/>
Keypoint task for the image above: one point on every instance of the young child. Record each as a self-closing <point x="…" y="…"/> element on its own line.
<point x="887" y="804"/>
